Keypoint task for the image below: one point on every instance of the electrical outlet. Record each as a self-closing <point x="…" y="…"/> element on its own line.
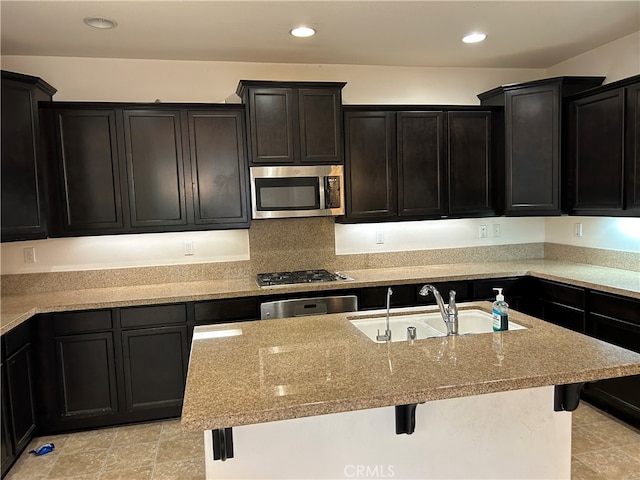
<point x="496" y="229"/>
<point x="188" y="247"/>
<point x="483" y="231"/>
<point x="379" y="237"/>
<point x="577" y="229"/>
<point x="29" y="254"/>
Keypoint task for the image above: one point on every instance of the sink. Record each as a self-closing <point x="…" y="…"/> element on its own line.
<point x="427" y="324"/>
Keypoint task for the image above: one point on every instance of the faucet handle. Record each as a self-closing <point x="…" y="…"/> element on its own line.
<point x="452" y="301"/>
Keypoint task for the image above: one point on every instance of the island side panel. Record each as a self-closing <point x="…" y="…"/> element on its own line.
<point x="505" y="435"/>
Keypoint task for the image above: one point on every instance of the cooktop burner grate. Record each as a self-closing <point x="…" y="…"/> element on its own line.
<point x="299" y="276"/>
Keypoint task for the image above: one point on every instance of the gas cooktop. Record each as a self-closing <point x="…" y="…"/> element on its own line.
<point x="300" y="276"/>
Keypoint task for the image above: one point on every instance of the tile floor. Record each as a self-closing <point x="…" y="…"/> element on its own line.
<point x="603" y="449"/>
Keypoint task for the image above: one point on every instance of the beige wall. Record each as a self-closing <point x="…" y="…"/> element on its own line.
<point x="615" y="60"/>
<point x="91" y="79"/>
<point x="105" y="79"/>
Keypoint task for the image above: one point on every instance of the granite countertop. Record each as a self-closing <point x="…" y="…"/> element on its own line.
<point x="296" y="367"/>
<point x="17" y="309"/>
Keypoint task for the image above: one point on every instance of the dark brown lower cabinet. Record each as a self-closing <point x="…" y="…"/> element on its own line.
<point x="6" y="445"/>
<point x="376" y="297"/>
<point x="554" y="302"/>
<point x="516" y="291"/>
<point x="227" y="310"/>
<point x="113" y="366"/>
<point x="77" y="365"/>
<point x="18" y="398"/>
<point x="462" y="288"/>
<point x="155" y="367"/>
<point x="562" y="304"/>
<point x="616" y="320"/>
<point x="86" y="368"/>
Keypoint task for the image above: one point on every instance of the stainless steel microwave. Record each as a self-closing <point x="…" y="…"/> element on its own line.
<point x="297" y="191"/>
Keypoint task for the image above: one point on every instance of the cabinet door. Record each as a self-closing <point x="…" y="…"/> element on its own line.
<point x="421" y="164"/>
<point x="155" y="367"/>
<point x="469" y="162"/>
<point x="597" y="124"/>
<point x="320" y="118"/>
<point x="370" y="176"/>
<point x="89" y="198"/>
<point x="22" y="200"/>
<point x="87" y="374"/>
<point x="218" y="167"/>
<point x="21" y="399"/>
<point x="532" y="130"/>
<point x="155" y="171"/>
<point x="271" y="123"/>
<point x="632" y="153"/>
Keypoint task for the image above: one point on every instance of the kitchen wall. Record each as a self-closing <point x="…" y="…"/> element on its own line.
<point x="92" y="79"/>
<point x="616" y="60"/>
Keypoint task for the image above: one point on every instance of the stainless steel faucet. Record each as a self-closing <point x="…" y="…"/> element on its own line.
<point x="449" y="313"/>
<point x="386" y="337"/>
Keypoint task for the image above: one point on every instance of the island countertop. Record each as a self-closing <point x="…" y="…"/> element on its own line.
<point x="19" y="308"/>
<point x="257" y="372"/>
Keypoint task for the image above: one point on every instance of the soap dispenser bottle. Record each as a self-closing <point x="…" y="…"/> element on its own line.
<point x="500" y="312"/>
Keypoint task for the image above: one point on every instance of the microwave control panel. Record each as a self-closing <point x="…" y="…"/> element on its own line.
<point x="332" y="192"/>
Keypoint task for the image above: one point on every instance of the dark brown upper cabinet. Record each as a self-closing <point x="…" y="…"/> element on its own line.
<point x="421" y="164"/>
<point x="632" y="155"/>
<point x="535" y="123"/>
<point x="155" y="167"/>
<point x="130" y="168"/>
<point x="23" y="170"/>
<point x="218" y="167"/>
<point x="605" y="152"/>
<point x="88" y="194"/>
<point x="412" y="164"/>
<point x="370" y="166"/>
<point x="293" y="122"/>
<point x="469" y="155"/>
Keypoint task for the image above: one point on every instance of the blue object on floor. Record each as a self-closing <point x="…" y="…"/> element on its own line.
<point x="43" y="449"/>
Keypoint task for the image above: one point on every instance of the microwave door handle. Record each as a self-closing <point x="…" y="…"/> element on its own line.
<point x="324" y="188"/>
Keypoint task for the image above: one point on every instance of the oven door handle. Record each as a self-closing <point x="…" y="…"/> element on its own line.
<point x="316" y="308"/>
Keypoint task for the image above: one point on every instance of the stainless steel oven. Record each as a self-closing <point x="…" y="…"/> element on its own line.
<point x="297" y="191"/>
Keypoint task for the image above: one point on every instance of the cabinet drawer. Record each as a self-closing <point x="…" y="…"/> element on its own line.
<point x="568" y="317"/>
<point x="561" y="293"/>
<point x="156" y="315"/>
<point x="67" y="323"/>
<point x="623" y="334"/>
<point x="626" y="309"/>
<point x="229" y="310"/>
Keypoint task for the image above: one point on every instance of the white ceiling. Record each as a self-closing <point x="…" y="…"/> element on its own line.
<point x="521" y="34"/>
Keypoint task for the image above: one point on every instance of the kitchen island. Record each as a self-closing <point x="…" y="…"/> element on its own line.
<point x="313" y="397"/>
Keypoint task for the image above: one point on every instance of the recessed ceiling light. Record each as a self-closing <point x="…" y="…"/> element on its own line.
<point x="99" y="22"/>
<point x="303" y="32"/>
<point x="474" y="37"/>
